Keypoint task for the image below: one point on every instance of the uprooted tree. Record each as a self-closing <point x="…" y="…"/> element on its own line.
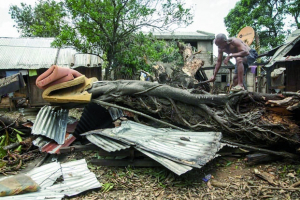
<point x="183" y="102"/>
<point x="264" y="119"/>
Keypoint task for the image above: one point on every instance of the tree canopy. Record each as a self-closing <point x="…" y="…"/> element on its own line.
<point x="111" y="29"/>
<point x="43" y="20"/>
<point x="266" y="17"/>
<point x="111" y="26"/>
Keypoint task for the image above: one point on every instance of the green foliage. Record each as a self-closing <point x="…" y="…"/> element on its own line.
<point x="293" y="8"/>
<point x="110" y="27"/>
<point x="265" y="16"/>
<point x="106" y="187"/>
<point x="142" y="51"/>
<point x="44" y="20"/>
<point x="107" y="28"/>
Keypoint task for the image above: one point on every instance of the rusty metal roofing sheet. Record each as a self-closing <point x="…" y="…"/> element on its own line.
<point x="51" y="123"/>
<point x="189" y="148"/>
<point x="49" y="146"/>
<point x="77" y="178"/>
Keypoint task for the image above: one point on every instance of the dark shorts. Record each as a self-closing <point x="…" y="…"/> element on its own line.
<point x="250" y="59"/>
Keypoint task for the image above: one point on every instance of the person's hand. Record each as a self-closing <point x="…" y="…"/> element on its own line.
<point x="212" y="79"/>
<point x="226" y="60"/>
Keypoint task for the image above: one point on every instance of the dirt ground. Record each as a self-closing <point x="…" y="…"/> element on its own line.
<point x="235" y="180"/>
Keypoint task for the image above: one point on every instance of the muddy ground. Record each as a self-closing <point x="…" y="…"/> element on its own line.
<point x="160" y="183"/>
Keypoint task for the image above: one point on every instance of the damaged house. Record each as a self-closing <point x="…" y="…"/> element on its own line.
<point x="282" y="71"/>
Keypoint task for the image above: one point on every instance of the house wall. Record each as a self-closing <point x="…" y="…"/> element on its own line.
<point x="206" y="47"/>
<point x="250" y="81"/>
<point x="90" y="72"/>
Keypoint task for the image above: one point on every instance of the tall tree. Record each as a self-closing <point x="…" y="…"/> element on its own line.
<point x="43" y="20"/>
<point x="265" y="16"/>
<point x="108" y="27"/>
<point x="293" y="8"/>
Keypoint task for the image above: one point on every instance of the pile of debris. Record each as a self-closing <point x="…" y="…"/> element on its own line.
<point x="178" y="124"/>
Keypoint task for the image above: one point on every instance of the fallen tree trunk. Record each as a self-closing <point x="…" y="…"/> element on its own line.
<point x="244" y="115"/>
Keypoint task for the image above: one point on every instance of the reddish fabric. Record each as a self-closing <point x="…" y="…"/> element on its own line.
<point x="55" y="75"/>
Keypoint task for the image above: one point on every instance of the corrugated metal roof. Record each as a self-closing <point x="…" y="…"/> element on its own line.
<point x="286" y="48"/>
<point x="188" y="148"/>
<point x="77" y="178"/>
<point x="197" y="35"/>
<point x="289" y="58"/>
<point x="51" y="123"/>
<point x="36" y="53"/>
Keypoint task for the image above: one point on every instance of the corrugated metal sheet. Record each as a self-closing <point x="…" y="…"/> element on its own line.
<point x="106" y="143"/>
<point x="29" y="113"/>
<point x="188" y="148"/>
<point x="49" y="146"/>
<point x="46" y="175"/>
<point x="77" y="178"/>
<point x="115" y="113"/>
<point x="177" y="168"/>
<point x="51" y="123"/>
<point x="36" y="53"/>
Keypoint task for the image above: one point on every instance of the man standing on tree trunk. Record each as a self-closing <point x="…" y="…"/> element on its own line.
<point x="243" y="54"/>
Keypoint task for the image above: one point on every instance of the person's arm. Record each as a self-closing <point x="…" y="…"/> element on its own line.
<point x="218" y="65"/>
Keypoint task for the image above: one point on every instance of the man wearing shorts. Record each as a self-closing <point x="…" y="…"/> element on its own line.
<point x="243" y="54"/>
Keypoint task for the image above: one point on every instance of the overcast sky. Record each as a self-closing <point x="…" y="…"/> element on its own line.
<point x="208" y="16"/>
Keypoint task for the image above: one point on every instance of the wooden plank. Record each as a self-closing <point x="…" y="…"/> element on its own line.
<point x="257" y="158"/>
<point x="126" y="152"/>
<point x="125" y="162"/>
<point x="77" y="148"/>
<point x="35" y="95"/>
